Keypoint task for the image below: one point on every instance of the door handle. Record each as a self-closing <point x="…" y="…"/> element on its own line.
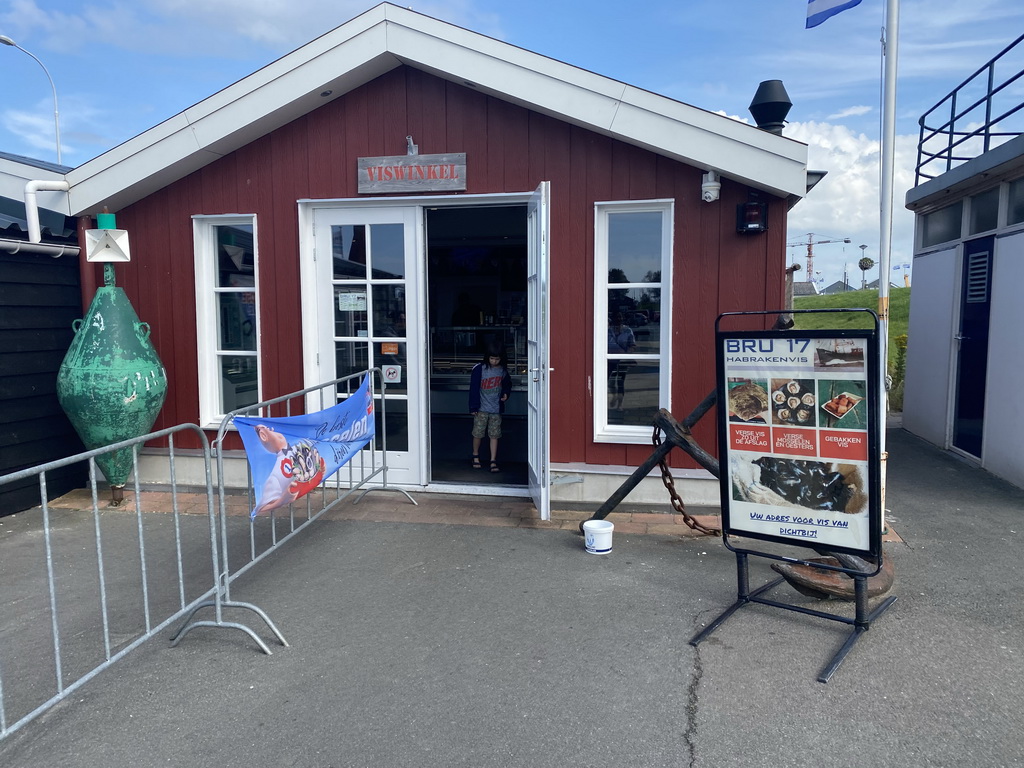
<point x="536" y="371"/>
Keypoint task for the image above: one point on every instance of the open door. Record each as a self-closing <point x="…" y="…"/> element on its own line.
<point x="537" y="348"/>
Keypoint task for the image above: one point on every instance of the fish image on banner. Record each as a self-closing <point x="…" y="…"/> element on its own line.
<point x="290" y="456"/>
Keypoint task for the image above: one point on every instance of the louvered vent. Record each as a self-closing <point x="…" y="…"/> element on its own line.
<point x="977" y="278"/>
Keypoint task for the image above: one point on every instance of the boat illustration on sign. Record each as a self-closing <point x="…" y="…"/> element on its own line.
<point x="840" y="352"/>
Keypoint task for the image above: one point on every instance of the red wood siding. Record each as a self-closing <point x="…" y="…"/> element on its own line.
<point x="509" y="149"/>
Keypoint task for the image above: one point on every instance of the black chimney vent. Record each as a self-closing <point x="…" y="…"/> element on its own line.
<point x="770" y="106"/>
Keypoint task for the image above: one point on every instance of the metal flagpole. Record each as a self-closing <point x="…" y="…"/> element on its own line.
<point x="890" y="48"/>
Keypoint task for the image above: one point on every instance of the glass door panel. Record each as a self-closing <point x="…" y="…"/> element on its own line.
<point x="372" y="251"/>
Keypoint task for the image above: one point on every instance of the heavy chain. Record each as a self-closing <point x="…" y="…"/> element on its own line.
<point x="677" y="503"/>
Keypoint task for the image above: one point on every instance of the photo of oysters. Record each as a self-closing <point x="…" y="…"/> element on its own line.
<point x="793" y="402"/>
<point x="748" y="400"/>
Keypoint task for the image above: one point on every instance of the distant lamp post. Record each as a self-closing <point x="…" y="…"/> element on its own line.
<point x="865" y="264"/>
<point x="56" y="115"/>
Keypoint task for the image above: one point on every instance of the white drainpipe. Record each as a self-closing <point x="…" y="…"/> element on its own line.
<point x="35" y="236"/>
<point x="32" y="207"/>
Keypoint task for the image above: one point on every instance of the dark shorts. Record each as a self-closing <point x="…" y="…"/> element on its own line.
<point x="486" y="424"/>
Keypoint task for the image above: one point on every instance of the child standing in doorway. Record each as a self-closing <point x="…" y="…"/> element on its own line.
<point x="489" y="387"/>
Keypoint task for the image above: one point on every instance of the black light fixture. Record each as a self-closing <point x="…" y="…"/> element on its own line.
<point x="752" y="217"/>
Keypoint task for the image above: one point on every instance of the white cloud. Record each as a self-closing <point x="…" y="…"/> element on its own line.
<point x="846" y="203"/>
<point x="850" y="112"/>
<point x="225" y="28"/>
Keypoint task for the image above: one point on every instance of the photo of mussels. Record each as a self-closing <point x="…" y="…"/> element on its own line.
<point x="793" y="402"/>
<point x="816" y="485"/>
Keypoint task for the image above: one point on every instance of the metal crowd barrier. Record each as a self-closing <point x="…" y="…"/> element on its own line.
<point x="93" y="585"/>
<point x="266" y="534"/>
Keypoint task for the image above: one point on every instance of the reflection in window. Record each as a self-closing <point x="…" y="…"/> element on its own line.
<point x="226" y="304"/>
<point x="634" y="248"/>
<point x="1015" y="207"/>
<point x="351" y="357"/>
<point x="398" y="425"/>
<point x="984" y="211"/>
<point x="349" y="249"/>
<point x="387" y="249"/>
<point x="942" y="225"/>
<point x="370" y="313"/>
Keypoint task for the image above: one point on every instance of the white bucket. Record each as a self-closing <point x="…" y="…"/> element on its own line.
<point x="597" y="536"/>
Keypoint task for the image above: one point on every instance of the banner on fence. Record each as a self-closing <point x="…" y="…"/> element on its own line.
<point x="290" y="456"/>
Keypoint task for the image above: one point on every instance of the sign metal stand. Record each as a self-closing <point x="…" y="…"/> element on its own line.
<point x="786" y="442"/>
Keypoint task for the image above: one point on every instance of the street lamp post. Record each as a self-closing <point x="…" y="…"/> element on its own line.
<point x="56" y="115"/>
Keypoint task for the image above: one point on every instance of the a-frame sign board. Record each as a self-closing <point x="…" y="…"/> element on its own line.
<point x="798" y="428"/>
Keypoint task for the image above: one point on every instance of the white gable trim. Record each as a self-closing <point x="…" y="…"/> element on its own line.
<point x="387" y="36"/>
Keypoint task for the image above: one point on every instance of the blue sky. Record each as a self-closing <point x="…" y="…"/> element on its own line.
<point x="122" y="66"/>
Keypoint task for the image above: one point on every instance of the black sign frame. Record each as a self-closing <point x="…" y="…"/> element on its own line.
<point x="732" y="524"/>
<point x="848" y="558"/>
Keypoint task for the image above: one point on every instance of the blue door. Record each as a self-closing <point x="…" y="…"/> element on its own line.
<point x="972" y="357"/>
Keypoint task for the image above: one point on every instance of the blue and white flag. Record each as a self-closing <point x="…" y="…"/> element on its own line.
<point x="819" y="10"/>
<point x="291" y="456"/>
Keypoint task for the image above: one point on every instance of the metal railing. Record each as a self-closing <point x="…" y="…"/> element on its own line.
<point x="91" y="586"/>
<point x="266" y="534"/>
<point x="981" y="113"/>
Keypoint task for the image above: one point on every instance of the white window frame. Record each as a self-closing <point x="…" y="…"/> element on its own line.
<point x="211" y="403"/>
<point x="624" y="433"/>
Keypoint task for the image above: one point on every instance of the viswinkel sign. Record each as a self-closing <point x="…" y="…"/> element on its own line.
<point x="412" y="173"/>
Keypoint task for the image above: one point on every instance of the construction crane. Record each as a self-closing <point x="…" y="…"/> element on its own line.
<point x="810" y="243"/>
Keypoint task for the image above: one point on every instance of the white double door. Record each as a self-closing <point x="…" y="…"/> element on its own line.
<point x="365" y="306"/>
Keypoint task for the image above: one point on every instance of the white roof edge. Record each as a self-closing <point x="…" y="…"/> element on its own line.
<point x="382" y="38"/>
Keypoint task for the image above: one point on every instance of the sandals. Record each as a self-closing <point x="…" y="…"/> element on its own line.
<point x="494" y="467"/>
<point x="476" y="463"/>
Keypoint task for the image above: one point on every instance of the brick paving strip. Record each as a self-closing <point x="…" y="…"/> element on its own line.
<point x="432" y="508"/>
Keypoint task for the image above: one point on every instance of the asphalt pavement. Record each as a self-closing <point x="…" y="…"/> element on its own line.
<point x="415" y="644"/>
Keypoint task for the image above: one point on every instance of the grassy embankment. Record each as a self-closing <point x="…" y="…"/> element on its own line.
<point x="899" y="314"/>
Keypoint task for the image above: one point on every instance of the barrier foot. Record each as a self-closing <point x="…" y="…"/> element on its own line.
<point x="260" y="612"/>
<point x="393" y="490"/>
<point x="225" y="624"/>
<point x="188" y="624"/>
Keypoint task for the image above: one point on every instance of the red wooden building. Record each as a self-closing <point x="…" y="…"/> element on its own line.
<point x="404" y="192"/>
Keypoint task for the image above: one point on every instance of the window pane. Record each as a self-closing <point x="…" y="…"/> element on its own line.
<point x="351" y="357"/>
<point x="350" y="318"/>
<point x="1015" y="210"/>
<point x="235" y="259"/>
<point x="393" y="353"/>
<point x="985" y="211"/>
<point x="398" y="424"/>
<point x="348" y="244"/>
<point x="239" y="386"/>
<point x="942" y="225"/>
<point x="634" y="247"/>
<point x="633" y="391"/>
<point x="237" y="321"/>
<point x="636" y="311"/>
<point x="387" y="250"/>
<point x="389" y="310"/>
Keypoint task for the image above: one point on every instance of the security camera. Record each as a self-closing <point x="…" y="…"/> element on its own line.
<point x="711" y="187"/>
